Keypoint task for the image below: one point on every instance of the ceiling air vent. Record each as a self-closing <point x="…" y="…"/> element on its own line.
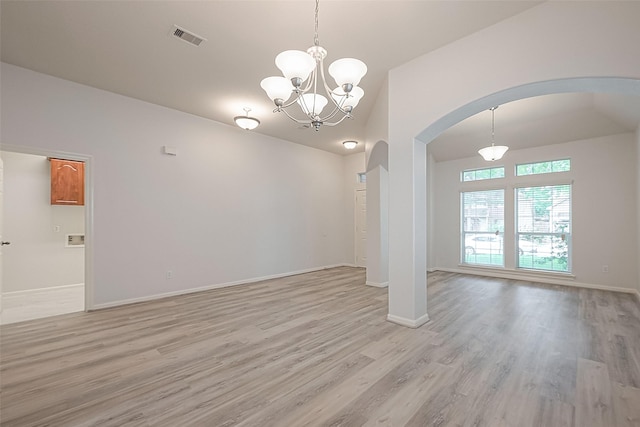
<point x="187" y="36"/>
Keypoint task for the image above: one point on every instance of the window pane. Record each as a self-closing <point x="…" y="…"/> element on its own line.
<point x="483" y="227"/>
<point x="544" y="227"/>
<point x="543" y="167"/>
<point x="480" y="174"/>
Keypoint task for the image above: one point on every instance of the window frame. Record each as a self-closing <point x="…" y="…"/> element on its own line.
<point x="563" y="236"/>
<point x="473" y="234"/>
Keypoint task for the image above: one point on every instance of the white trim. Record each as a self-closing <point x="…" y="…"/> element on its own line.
<point x="377" y="285"/>
<point x="431" y="270"/>
<point x="408" y="322"/>
<point x="638" y="295"/>
<point x="209" y="287"/>
<point x="361" y="187"/>
<point x="32" y="291"/>
<point x="346" y="264"/>
<point x="548" y="279"/>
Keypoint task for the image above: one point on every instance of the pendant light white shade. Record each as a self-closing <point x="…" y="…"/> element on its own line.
<point x="493" y="152"/>
<point x="352" y="101"/>
<point x="247" y="123"/>
<point x="277" y="88"/>
<point x="347" y="71"/>
<point x="312" y="103"/>
<point x="295" y="64"/>
<point x="350" y="145"/>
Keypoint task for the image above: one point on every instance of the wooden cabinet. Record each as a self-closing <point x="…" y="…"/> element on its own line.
<point x="67" y="182"/>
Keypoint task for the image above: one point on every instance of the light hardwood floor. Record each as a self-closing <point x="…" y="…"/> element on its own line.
<point x="315" y="349"/>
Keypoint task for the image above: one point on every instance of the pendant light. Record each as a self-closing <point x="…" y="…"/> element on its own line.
<point x="493" y="152"/>
<point x="246" y="122"/>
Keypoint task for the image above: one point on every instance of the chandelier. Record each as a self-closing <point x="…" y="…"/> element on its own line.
<point x="493" y="152"/>
<point x="303" y="72"/>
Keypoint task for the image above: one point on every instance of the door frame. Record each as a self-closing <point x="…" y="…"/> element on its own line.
<point x="88" y="209"/>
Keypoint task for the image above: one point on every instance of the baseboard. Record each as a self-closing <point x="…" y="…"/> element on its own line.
<point x="209" y="287"/>
<point x="506" y="274"/>
<point x="410" y="323"/>
<point x="378" y="285"/>
<point x="40" y="290"/>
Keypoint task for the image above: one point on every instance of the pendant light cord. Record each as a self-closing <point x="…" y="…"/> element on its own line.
<point x="493" y="126"/>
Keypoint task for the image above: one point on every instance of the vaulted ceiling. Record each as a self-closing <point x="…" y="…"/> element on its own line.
<point x="126" y="47"/>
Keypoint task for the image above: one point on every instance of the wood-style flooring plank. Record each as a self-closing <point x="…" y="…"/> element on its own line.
<point x="315" y="350"/>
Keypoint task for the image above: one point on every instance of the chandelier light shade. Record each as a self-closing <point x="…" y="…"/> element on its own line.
<point x="303" y="78"/>
<point x="350" y="145"/>
<point x="246" y="122"/>
<point x="493" y="152"/>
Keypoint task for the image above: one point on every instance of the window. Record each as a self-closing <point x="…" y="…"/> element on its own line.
<point x="543" y="167"/>
<point x="483" y="227"/>
<point x="543" y="227"/>
<point x="480" y="174"/>
<point x="362" y="177"/>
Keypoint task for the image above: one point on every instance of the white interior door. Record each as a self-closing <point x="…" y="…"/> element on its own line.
<point x="361" y="228"/>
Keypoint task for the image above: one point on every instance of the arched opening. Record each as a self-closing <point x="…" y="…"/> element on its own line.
<point x="620" y="85"/>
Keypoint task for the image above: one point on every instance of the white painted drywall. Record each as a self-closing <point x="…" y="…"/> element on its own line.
<point x="603" y="206"/>
<point x="353" y="165"/>
<point x="637" y="261"/>
<point x="37" y="257"/>
<point x="544" y="49"/>
<point x="231" y="206"/>
<point x="377" y="226"/>
<point x="377" y="128"/>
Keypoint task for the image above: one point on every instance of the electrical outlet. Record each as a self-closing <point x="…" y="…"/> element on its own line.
<point x="605" y="268"/>
<point x="169" y="274"/>
<point x="56" y="228"/>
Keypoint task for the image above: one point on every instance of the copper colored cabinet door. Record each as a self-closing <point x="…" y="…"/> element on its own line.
<point x="67" y="182"/>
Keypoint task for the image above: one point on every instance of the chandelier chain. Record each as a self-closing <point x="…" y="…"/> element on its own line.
<point x="315" y="37"/>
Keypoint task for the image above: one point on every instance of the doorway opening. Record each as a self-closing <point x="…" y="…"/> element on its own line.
<point x="44" y="269"/>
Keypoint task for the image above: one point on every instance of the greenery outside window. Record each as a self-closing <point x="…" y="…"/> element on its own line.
<point x="480" y="174"/>
<point x="482" y="231"/>
<point x="551" y="166"/>
<point x="543" y="227"/>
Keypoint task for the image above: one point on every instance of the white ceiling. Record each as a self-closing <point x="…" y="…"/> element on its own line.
<point x="125" y="47"/>
<point x="543" y="120"/>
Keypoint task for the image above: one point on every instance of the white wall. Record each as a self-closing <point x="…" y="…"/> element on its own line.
<point x="377" y="128"/>
<point x="604" y="228"/>
<point x="353" y="165"/>
<point x="37" y="257"/>
<point x="553" y="47"/>
<point x="637" y="261"/>
<point x="231" y="206"/>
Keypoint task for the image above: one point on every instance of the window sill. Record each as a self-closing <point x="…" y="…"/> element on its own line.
<point x="524" y="272"/>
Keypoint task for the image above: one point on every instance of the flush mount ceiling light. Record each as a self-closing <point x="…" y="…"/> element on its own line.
<point x="493" y="152"/>
<point x="350" y="145"/>
<point x="299" y="67"/>
<point x="246" y="122"/>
